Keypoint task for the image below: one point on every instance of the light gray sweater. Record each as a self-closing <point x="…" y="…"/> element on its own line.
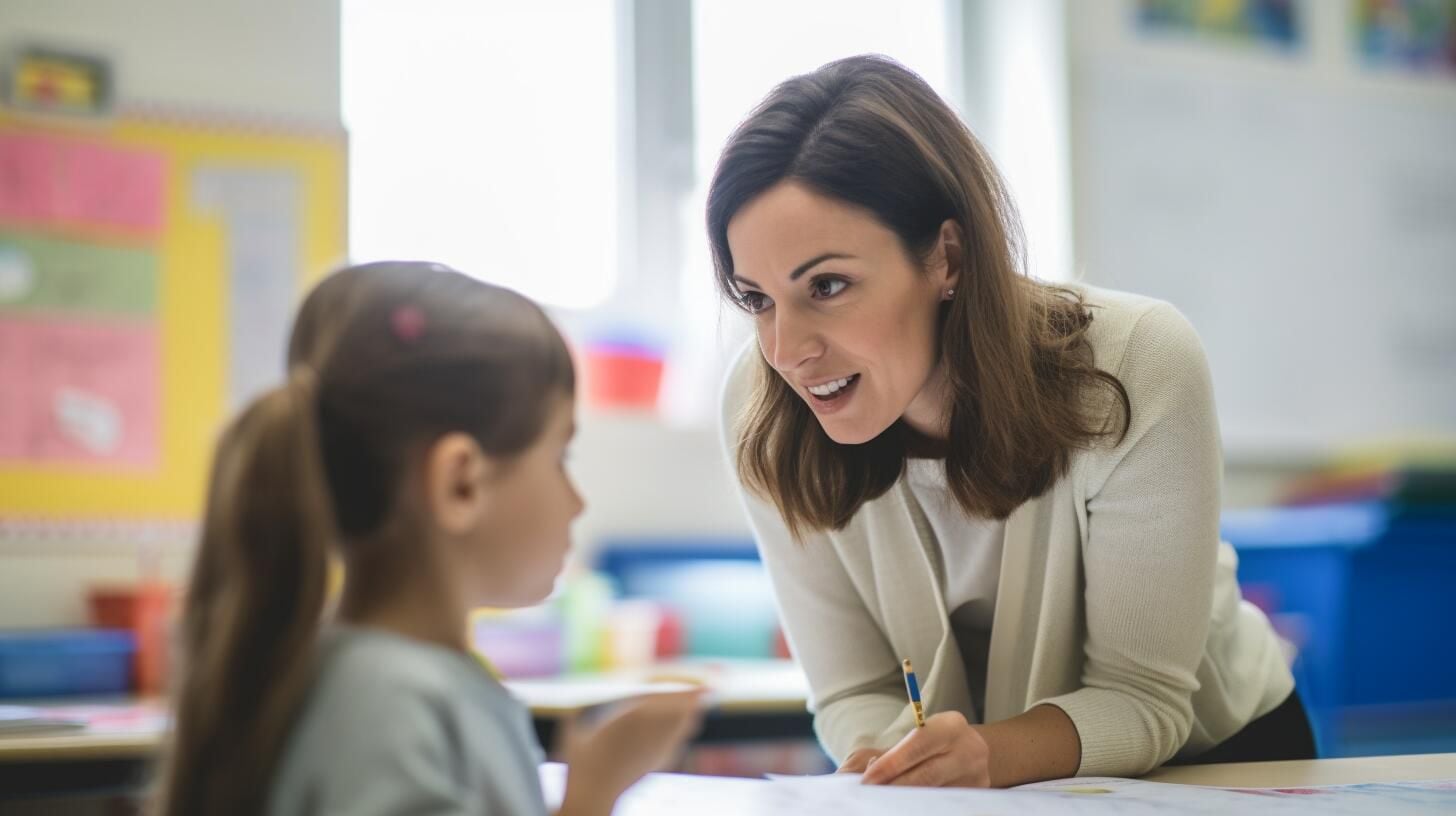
<point x="396" y="726"/>
<point x="1117" y="601"/>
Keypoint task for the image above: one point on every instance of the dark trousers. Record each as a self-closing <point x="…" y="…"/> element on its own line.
<point x="1283" y="733"/>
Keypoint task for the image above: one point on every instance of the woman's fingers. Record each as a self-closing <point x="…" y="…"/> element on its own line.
<point x="858" y="761"/>
<point x="916" y="747"/>
<point x="947" y="751"/>
<point x="935" y="772"/>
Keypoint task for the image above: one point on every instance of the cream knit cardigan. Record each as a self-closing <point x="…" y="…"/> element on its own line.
<point x="1117" y="601"/>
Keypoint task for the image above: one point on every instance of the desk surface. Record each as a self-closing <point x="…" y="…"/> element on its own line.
<point x="119" y="729"/>
<point x="133" y="729"/>
<point x="663" y="794"/>
<point x="1304" y="773"/>
<point x="736" y="686"/>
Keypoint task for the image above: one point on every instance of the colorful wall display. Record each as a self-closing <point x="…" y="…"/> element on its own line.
<point x="148" y="267"/>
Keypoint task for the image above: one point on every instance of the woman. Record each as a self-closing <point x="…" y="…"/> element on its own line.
<point x="1012" y="484"/>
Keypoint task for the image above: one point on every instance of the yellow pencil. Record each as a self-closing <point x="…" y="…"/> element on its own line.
<point x="913" y="689"/>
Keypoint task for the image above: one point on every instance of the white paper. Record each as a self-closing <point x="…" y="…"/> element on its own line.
<point x="261" y="212"/>
<point x="17" y="274"/>
<point x="577" y="693"/>
<point x="92" y="421"/>
<point x="1099" y="795"/>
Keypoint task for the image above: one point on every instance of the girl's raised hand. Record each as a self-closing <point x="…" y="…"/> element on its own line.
<point x="638" y="736"/>
<point x="947" y="752"/>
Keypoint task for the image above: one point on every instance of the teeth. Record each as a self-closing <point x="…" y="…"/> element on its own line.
<point x="830" y="387"/>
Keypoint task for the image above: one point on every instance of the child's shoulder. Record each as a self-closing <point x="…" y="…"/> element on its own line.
<point x="368" y="678"/>
<point x="372" y="661"/>
<point x="388" y="715"/>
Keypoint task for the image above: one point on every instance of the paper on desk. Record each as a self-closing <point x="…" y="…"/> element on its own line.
<point x="27" y="720"/>
<point x="837" y="795"/>
<point x="809" y="780"/>
<point x="572" y="694"/>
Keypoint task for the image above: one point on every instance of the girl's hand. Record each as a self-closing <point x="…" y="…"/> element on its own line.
<point x="858" y="761"/>
<point x="637" y="737"/>
<point x="947" y="752"/>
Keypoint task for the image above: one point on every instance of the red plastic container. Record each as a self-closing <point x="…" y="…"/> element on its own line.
<point x="144" y="609"/>
<point x="622" y="377"/>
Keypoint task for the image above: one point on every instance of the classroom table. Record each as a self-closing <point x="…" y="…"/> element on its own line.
<point x="1307" y="772"/>
<point x="665" y="794"/>
<point x="751" y="700"/>
<point x="748" y="695"/>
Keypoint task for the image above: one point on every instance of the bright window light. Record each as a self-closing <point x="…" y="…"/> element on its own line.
<point x="484" y="135"/>
<point x="743" y="48"/>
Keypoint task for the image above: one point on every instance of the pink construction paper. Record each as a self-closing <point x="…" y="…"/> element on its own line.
<point x="79" y="392"/>
<point x="61" y="182"/>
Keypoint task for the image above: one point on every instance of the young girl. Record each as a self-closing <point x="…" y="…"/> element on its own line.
<point x="420" y="439"/>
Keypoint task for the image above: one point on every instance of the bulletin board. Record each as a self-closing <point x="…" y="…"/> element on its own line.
<point x="1293" y="193"/>
<point x="149" y="266"/>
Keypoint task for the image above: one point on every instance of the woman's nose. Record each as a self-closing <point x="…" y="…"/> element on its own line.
<point x="794" y="341"/>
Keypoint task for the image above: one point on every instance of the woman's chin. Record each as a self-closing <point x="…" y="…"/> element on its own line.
<point x="851" y="433"/>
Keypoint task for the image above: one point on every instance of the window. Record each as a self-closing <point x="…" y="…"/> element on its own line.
<point x="484" y="136"/>
<point x="742" y="49"/>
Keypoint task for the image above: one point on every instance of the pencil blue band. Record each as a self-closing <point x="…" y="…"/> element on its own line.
<point x="913" y="686"/>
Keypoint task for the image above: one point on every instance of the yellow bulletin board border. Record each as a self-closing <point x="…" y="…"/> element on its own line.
<point x="192" y="309"/>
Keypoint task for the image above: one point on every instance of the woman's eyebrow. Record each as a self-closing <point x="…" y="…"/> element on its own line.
<point x="813" y="262"/>
<point x="801" y="268"/>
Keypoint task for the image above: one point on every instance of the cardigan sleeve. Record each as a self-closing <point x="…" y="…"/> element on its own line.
<point x="854" y="680"/>
<point x="1149" y="554"/>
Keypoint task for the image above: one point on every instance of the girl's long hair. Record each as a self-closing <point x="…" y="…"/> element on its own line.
<point x="1025" y="391"/>
<point x="384" y="358"/>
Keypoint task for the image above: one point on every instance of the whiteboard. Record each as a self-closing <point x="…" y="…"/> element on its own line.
<point x="1304" y="220"/>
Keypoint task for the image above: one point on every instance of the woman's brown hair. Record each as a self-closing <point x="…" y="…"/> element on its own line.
<point x="1024" y="389"/>
<point x="384" y="359"/>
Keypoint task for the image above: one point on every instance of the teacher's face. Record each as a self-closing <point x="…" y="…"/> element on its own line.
<point x="844" y="314"/>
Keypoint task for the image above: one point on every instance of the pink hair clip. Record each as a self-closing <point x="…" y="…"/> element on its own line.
<point x="408" y="323"/>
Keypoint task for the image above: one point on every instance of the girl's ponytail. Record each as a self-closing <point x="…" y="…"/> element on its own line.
<point x="253" y="605"/>
<point x="384" y="358"/>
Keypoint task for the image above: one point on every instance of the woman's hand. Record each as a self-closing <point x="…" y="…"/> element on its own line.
<point x="947" y="752"/>
<point x="637" y="737"/>
<point x="858" y="761"/>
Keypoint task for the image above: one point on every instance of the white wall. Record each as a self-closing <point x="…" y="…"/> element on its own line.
<point x="1299" y="207"/>
<point x="263" y="58"/>
<point x="641" y="477"/>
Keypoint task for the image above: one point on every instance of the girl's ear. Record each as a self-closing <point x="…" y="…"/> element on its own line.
<point x="457" y="483"/>
<point x="945" y="263"/>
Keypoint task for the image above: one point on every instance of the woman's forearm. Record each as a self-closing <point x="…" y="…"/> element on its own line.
<point x="1040" y="744"/>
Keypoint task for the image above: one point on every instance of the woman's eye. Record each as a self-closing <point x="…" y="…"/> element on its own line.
<point x="827" y="287"/>
<point x="754" y="302"/>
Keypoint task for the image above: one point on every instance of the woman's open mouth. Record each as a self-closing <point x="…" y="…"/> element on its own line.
<point x="832" y="391"/>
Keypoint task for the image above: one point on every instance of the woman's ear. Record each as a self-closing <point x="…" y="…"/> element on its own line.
<point x="949" y="256"/>
<point x="457" y="483"/>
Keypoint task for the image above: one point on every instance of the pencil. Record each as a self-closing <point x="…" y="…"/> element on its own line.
<point x="913" y="689"/>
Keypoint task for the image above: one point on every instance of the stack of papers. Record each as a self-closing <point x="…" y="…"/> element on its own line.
<point x="26" y="720"/>
<point x="842" y="795"/>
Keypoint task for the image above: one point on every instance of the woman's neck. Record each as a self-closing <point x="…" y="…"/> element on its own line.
<point x="928" y="414"/>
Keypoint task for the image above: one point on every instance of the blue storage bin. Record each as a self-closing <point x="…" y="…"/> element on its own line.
<point x="718" y="586"/>
<point x="61" y="662"/>
<point x="1366" y="596"/>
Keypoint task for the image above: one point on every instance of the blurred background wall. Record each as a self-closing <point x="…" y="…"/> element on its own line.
<point x="272" y="63"/>
<point x="1291" y="194"/>
<point x="1281" y="171"/>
